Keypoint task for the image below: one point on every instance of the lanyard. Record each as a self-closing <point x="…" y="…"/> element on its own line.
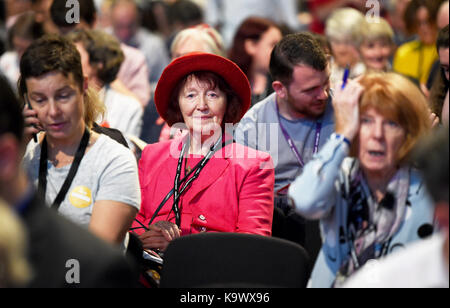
<point x="176" y="192"/>
<point x="42" y="186"/>
<point x="291" y="142"/>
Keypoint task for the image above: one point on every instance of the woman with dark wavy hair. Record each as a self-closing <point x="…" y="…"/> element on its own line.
<point x="252" y="46"/>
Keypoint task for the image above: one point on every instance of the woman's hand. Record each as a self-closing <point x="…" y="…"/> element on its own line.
<point x="346" y="109"/>
<point x="160" y="235"/>
<point x="32" y="124"/>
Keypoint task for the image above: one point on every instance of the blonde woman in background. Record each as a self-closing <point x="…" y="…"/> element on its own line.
<point x="376" y="46"/>
<point x="14" y="269"/>
<point x="343" y="31"/>
<point x="202" y="38"/>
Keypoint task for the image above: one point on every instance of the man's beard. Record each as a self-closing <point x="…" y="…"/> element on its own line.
<point x="308" y="111"/>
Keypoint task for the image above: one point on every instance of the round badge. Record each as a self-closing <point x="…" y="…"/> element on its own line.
<point x="80" y="197"/>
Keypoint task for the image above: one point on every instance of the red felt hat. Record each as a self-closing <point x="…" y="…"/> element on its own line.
<point x="198" y="61"/>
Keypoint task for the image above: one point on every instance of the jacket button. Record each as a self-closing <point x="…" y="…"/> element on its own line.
<point x="202" y="218"/>
<point x="203" y="229"/>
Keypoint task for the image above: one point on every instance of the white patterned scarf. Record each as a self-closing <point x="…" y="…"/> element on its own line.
<point x="371" y="224"/>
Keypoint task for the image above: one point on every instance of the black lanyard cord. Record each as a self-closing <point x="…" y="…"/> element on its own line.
<point x="42" y="186"/>
<point x="176" y="191"/>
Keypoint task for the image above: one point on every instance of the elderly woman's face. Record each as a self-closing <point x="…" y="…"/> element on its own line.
<point x="58" y="102"/>
<point x="375" y="54"/>
<point x="344" y="53"/>
<point x="202" y="107"/>
<point x="379" y="142"/>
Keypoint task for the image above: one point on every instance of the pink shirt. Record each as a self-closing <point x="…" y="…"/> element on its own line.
<point x="134" y="74"/>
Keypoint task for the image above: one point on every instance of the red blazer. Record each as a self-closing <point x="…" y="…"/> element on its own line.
<point x="233" y="193"/>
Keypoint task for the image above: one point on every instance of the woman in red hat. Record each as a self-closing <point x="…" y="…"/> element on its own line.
<point x="203" y="182"/>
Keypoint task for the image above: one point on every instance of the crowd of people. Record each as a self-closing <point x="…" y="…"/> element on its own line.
<point x="145" y="121"/>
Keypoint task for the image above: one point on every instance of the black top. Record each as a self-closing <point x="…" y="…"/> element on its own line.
<point x="55" y="241"/>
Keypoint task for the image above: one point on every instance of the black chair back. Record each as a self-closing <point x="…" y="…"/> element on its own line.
<point x="230" y="260"/>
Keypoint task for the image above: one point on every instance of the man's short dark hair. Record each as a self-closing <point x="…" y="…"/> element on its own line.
<point x="58" y="12"/>
<point x="50" y="53"/>
<point x="11" y="119"/>
<point x="442" y="40"/>
<point x="185" y="12"/>
<point x="296" y="49"/>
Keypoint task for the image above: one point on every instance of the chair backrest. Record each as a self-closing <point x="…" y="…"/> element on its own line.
<point x="230" y="260"/>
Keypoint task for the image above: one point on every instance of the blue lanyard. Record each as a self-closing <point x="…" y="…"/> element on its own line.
<point x="290" y="141"/>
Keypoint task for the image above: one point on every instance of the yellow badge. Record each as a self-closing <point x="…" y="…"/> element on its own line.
<point x="80" y="197"/>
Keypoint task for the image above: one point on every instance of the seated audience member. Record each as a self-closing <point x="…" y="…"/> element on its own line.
<point x="14" y="268"/>
<point x="297" y="65"/>
<point x="24" y="31"/>
<point x="201" y="38"/>
<point x="252" y="45"/>
<point x="292" y="125"/>
<point x="133" y="74"/>
<point x="53" y="241"/>
<point x="415" y="59"/>
<point x="101" y="58"/>
<point x="377" y="46"/>
<point x="372" y="202"/>
<point x="126" y="26"/>
<point x="203" y="182"/>
<point x="424" y="264"/>
<point x="87" y="177"/>
<point x="440" y="90"/>
<point x="343" y="31"/>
